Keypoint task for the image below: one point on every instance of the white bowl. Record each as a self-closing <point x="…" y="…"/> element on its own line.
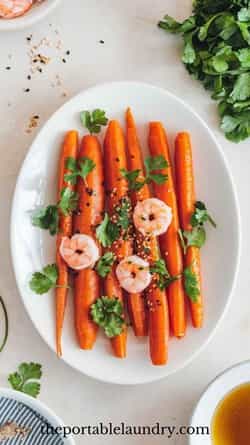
<point x="38" y="407"/>
<point x="216" y="391"/>
<point x="34" y="15"/>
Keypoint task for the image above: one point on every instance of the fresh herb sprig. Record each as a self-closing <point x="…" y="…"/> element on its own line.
<point x="197" y="236"/>
<point x="108" y="314"/>
<point x="42" y="282"/>
<point x="152" y="164"/>
<point x="46" y="218"/>
<point x="217" y="53"/>
<point x="105" y="263"/>
<point x="94" y="120"/>
<point x="6" y="325"/>
<point x="26" y="379"/>
<point x="191" y="284"/>
<point x="165" y="279"/>
<point x="107" y="232"/>
<point x="80" y="168"/>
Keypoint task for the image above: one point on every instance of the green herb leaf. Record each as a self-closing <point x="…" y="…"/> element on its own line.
<point x="216" y="39"/>
<point x="107" y="232"/>
<point x="86" y="166"/>
<point x="94" y="120"/>
<point x="153" y="165"/>
<point x="165" y="279"/>
<point x="104" y="265"/>
<point x="201" y="215"/>
<point x="25" y="379"/>
<point x="132" y="177"/>
<point x="108" y="314"/>
<point x="6" y="325"/>
<point x="42" y="282"/>
<point x="191" y="284"/>
<point x="69" y="201"/>
<point x="195" y="237"/>
<point x="47" y="219"/>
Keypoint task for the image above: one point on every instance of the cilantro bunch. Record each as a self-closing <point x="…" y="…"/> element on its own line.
<point x="217" y="53"/>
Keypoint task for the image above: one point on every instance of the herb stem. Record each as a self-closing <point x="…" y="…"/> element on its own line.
<point x="6" y="322"/>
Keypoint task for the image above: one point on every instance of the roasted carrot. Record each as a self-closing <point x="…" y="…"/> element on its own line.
<point x="117" y="189"/>
<point x="169" y="242"/>
<point x="147" y="248"/>
<point x="69" y="150"/>
<point x="186" y="203"/>
<point x="88" y="215"/>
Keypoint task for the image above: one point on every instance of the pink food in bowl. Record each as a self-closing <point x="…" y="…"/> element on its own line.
<point x="10" y="9"/>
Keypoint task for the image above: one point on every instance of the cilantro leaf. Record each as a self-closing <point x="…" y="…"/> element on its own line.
<point x="195" y="237"/>
<point x="201" y="215"/>
<point x="165" y="279"/>
<point x="94" y="120"/>
<point x="72" y="166"/>
<point x="68" y="201"/>
<point x="104" y="265"/>
<point x="216" y="51"/>
<point x="47" y="219"/>
<point x="107" y="232"/>
<point x="25" y="379"/>
<point x="108" y="314"/>
<point x="132" y="177"/>
<point x="86" y="167"/>
<point x="42" y="282"/>
<point x="153" y="165"/>
<point x="191" y="284"/>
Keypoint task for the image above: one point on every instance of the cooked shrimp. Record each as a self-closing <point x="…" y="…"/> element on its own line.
<point x="133" y="274"/>
<point x="152" y="217"/>
<point x="9" y="9"/>
<point x="79" y="252"/>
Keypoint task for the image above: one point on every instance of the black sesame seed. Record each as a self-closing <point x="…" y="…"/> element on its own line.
<point x="64" y="60"/>
<point x="68" y="53"/>
<point x="8" y="68"/>
<point x="101" y="41"/>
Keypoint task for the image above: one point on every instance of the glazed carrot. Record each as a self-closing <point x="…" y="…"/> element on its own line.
<point x="169" y="242"/>
<point x="147" y="248"/>
<point x="88" y="215"/>
<point x="69" y="149"/>
<point x="136" y="302"/>
<point x="117" y="189"/>
<point x="186" y="202"/>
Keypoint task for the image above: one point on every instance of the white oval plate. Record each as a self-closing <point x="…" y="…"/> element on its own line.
<point x="217" y="390"/>
<point x="32" y="248"/>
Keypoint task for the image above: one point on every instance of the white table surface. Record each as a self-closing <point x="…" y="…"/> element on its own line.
<point x="134" y="49"/>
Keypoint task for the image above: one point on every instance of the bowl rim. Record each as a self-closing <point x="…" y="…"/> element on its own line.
<point x="30" y="18"/>
<point x="121" y="83"/>
<point x="37" y="406"/>
<point x="219" y="377"/>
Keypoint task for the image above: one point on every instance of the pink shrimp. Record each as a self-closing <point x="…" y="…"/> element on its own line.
<point x="79" y="252"/>
<point x="152" y="217"/>
<point x="133" y="274"/>
<point x="9" y="9"/>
